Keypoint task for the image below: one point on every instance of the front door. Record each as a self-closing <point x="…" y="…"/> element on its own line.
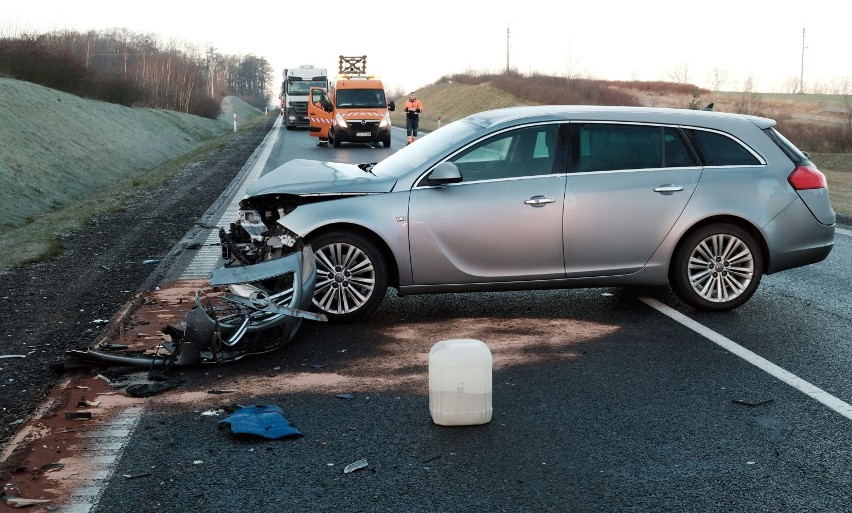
<point x="320" y="113"/>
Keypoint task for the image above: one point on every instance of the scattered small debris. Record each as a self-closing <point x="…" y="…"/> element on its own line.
<point x="137" y="476"/>
<point x="348" y="397"/>
<point x="88" y="404"/>
<point x="352" y="467"/>
<point x="78" y="415"/>
<point x="212" y="413"/>
<point x="267" y="421"/>
<point x="48" y="467"/>
<point x="149" y="389"/>
<point x="101" y="376"/>
<point x="100" y="321"/>
<point x="753" y="405"/>
<point x="222" y="391"/>
<point x="151" y="261"/>
<point x="21" y="502"/>
<point x="433" y="458"/>
<point x="112" y="347"/>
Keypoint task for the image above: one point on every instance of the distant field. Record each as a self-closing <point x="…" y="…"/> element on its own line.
<point x="837" y="168"/>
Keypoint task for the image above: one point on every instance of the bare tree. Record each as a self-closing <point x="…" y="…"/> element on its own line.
<point x="680" y="73"/>
<point x="718" y="77"/>
<point x="748" y="101"/>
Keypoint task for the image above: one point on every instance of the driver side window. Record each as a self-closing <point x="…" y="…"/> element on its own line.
<point x="528" y="151"/>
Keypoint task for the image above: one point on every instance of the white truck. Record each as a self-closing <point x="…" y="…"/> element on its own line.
<point x="294" y="93"/>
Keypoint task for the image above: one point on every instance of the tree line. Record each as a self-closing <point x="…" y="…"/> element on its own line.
<point x="132" y="69"/>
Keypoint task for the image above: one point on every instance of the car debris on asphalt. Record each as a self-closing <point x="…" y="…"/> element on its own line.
<point x="358" y="465"/>
<point x="267" y="421"/>
<point x="250" y="311"/>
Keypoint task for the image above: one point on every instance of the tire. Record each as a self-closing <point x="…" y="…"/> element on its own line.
<point x="352" y="276"/>
<point x="717" y="267"/>
<point x="386" y="142"/>
<point x="334" y="140"/>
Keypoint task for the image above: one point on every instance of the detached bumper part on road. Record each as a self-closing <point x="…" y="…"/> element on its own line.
<point x="251" y="319"/>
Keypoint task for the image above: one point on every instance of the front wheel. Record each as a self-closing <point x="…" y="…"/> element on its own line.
<point x="352" y="276"/>
<point x="386" y="142"/>
<point x="718" y="267"/>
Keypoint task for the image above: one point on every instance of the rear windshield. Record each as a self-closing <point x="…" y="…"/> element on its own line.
<point x="797" y="156"/>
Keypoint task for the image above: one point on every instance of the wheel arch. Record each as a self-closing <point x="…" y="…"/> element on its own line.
<point x="726" y="219"/>
<point x="381" y="245"/>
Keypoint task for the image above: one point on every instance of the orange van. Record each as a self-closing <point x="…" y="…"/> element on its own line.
<point x="354" y="109"/>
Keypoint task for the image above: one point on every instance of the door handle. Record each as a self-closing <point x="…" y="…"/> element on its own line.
<point x="539" y="201"/>
<point x="668" y="189"/>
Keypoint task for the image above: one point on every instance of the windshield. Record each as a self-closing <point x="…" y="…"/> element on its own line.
<point x="364" y="98"/>
<point x="429" y="148"/>
<point x="303" y="86"/>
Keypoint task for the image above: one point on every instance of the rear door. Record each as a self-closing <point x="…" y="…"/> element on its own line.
<point x="628" y="185"/>
<point x="318" y="116"/>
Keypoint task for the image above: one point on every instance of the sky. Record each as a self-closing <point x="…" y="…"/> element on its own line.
<point x="413" y="44"/>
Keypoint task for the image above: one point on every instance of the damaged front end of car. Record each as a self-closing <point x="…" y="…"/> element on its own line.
<point x="264" y="292"/>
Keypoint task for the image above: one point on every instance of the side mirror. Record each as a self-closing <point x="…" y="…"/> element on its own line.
<point x="391" y="106"/>
<point x="327" y="106"/>
<point x="444" y="173"/>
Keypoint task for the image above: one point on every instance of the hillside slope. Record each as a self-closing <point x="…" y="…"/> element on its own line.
<point x="57" y="148"/>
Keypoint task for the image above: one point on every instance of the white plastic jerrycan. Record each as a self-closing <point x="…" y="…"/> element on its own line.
<point x="460" y="383"/>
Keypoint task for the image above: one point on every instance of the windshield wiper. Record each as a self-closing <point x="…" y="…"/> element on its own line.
<point x="368" y="168"/>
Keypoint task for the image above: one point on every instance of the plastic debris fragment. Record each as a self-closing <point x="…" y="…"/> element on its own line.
<point x="267" y="421"/>
<point x="352" y="467"/>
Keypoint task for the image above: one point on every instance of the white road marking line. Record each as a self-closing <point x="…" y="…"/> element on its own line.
<point x="758" y="361"/>
<point x="843" y="231"/>
<point x="209" y="257"/>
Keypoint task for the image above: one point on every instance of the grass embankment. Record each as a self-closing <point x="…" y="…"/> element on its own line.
<point x="65" y="159"/>
<point x="452" y="102"/>
<point x="40" y="237"/>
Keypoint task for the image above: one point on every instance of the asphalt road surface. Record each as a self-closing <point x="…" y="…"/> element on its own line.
<point x="604" y="400"/>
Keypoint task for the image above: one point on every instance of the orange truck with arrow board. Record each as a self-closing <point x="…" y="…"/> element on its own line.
<point x="355" y="108"/>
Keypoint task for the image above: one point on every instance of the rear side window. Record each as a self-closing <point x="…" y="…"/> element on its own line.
<point x="796" y="155"/>
<point x="715" y="149"/>
<point x="607" y="147"/>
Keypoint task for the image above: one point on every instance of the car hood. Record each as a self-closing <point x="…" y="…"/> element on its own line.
<point x="304" y="177"/>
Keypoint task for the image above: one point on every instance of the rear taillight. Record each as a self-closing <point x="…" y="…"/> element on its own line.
<point x="807" y="177"/>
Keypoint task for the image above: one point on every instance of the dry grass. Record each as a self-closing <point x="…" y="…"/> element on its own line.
<point x="837" y="168"/>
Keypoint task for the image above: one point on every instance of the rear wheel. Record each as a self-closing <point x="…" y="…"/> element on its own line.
<point x="352" y="276"/>
<point x="717" y="268"/>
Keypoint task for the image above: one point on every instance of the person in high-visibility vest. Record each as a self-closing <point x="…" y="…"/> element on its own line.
<point x="413" y="107"/>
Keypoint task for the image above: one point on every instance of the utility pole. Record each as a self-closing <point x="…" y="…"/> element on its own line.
<point x="802" y="69"/>
<point x="507" y="51"/>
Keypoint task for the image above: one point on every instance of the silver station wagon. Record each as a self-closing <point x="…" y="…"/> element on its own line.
<point x="549" y="197"/>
